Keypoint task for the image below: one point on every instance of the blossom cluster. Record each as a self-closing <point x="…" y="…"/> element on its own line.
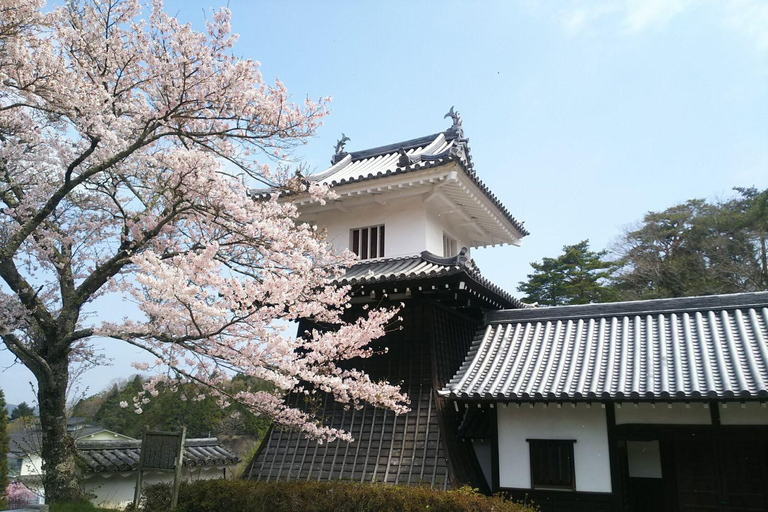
<point x="129" y="143"/>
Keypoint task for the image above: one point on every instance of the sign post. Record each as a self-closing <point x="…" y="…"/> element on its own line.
<point x="163" y="451"/>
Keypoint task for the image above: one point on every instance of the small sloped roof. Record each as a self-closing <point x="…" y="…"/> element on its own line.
<point x="423" y="266"/>
<point x="24" y="442"/>
<point x="713" y="347"/>
<point x="112" y="456"/>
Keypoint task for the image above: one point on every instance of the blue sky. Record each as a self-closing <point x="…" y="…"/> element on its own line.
<point x="582" y="116"/>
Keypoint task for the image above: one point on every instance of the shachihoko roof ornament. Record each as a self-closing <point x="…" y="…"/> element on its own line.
<point x="456" y="127"/>
<point x="339" y="152"/>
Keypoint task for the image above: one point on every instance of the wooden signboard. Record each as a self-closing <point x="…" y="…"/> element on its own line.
<point x="161" y="451"/>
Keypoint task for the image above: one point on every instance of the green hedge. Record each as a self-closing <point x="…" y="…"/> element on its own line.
<point x="250" y="496"/>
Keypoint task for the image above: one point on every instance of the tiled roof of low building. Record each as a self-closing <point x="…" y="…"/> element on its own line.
<point x="112" y="456"/>
<point x="425" y="265"/>
<point x="713" y="347"/>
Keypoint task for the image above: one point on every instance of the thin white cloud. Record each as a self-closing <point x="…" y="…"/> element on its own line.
<point x="582" y="16"/>
<point x="643" y="15"/>
<point x="747" y="18"/>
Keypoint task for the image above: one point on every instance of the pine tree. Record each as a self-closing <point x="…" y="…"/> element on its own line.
<point x="23" y="410"/>
<point x="575" y="277"/>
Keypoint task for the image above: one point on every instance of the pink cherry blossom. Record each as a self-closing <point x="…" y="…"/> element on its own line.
<point x="128" y="145"/>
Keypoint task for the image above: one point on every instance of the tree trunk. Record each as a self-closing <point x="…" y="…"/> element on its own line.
<point x="58" y="448"/>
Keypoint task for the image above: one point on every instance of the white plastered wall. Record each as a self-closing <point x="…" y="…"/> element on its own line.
<point x="405" y="221"/>
<point x="585" y="425"/>
<point x="439" y="223"/>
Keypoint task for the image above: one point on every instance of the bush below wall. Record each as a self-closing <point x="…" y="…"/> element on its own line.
<point x="250" y="496"/>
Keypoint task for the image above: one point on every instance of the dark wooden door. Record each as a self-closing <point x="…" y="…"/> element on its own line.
<point x="743" y="475"/>
<point x="722" y="475"/>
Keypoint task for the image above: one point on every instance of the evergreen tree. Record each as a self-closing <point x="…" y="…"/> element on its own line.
<point x="577" y="276"/>
<point x="23" y="410"/>
<point x="170" y="410"/>
<point x="4" y="449"/>
<point x="696" y="248"/>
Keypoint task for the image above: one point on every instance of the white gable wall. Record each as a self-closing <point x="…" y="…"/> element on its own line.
<point x="587" y="426"/>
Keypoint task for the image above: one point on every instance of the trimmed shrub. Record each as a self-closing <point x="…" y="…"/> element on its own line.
<point x="250" y="496"/>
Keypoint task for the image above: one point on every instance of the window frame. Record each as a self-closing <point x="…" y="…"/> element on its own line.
<point x="15" y="465"/>
<point x="450" y="243"/>
<point x="367" y="240"/>
<point x="535" y="445"/>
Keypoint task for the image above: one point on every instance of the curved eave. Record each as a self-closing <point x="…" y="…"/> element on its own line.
<point x="429" y="267"/>
<point x="449" y="177"/>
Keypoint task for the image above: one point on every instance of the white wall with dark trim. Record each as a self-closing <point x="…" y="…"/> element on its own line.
<point x="405" y="222"/>
<point x="585" y="425"/>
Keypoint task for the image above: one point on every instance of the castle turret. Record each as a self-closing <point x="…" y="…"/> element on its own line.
<point x="412" y="211"/>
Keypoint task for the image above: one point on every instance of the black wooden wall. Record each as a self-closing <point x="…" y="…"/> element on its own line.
<point x="417" y="448"/>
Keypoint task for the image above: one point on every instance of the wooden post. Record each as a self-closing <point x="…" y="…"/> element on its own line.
<point x="137" y="491"/>
<point x="179" y="466"/>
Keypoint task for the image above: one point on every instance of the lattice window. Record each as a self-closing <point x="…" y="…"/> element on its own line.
<point x="552" y="464"/>
<point x="450" y="246"/>
<point x="368" y="242"/>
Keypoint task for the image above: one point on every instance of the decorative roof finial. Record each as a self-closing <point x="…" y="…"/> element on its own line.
<point x="456" y="127"/>
<point x="404" y="160"/>
<point x="341" y="143"/>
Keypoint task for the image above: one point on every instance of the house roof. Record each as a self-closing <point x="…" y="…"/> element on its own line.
<point x="423" y="266"/>
<point x="713" y="347"/>
<point x="23" y="442"/>
<point x="111" y="456"/>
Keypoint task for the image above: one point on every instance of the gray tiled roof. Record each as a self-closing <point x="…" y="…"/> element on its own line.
<point x="425" y="265"/>
<point x="686" y="348"/>
<point x="109" y="456"/>
<point x="419" y="154"/>
<point x="404" y="157"/>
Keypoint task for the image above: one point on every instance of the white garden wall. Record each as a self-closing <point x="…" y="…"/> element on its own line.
<point x="115" y="490"/>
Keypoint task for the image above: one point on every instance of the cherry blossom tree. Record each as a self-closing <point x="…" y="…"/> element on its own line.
<point x="128" y="143"/>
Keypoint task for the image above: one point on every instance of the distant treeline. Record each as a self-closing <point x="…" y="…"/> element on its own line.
<point x="695" y="248"/>
<point x="170" y="410"/>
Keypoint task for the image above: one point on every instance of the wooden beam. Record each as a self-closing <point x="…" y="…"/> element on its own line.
<point x="432" y="195"/>
<point x="469" y="221"/>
